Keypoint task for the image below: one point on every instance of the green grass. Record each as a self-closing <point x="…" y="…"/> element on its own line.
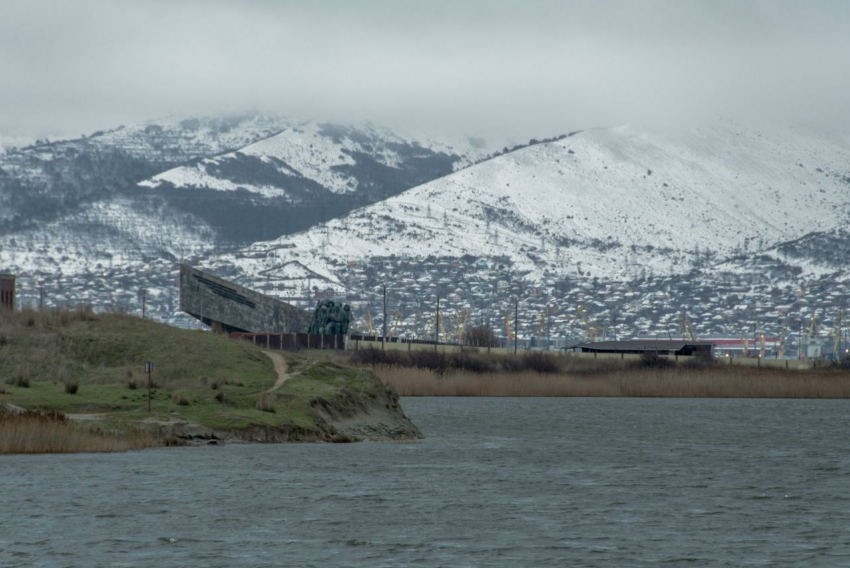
<point x="113" y="348"/>
<point x="104" y="352"/>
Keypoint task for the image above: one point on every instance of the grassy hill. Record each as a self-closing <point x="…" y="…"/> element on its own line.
<point x="91" y="368"/>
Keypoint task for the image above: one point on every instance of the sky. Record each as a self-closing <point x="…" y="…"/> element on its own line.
<point x="486" y="68"/>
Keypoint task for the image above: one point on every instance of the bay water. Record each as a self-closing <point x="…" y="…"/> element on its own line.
<point x="495" y="482"/>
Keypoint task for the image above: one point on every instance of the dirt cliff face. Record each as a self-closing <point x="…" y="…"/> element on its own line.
<point x="367" y="417"/>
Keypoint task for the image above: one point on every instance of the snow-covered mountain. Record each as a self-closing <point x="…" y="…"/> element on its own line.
<point x="634" y="225"/>
<point x="48" y="179"/>
<point x="239" y="179"/>
<point x="124" y="200"/>
<point x="602" y="202"/>
<point x="337" y="158"/>
<point x="306" y="174"/>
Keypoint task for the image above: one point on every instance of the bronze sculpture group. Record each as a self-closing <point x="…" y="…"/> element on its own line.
<point x="331" y="318"/>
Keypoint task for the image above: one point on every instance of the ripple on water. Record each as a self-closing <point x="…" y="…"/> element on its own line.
<point x="621" y="482"/>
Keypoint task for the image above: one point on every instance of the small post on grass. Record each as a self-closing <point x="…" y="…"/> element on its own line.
<point x="149" y="370"/>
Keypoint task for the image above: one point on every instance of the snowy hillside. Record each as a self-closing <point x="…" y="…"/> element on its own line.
<point x="603" y="202"/>
<point x="105" y="235"/>
<point x="48" y="179"/>
<point x="724" y="224"/>
<point x="631" y="224"/>
<point x="313" y="157"/>
<point x="74" y="211"/>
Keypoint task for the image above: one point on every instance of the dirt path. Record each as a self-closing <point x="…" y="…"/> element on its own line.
<point x="279" y="367"/>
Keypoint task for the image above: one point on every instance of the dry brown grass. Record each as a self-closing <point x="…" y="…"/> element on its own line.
<point x="675" y="382"/>
<point x="38" y="433"/>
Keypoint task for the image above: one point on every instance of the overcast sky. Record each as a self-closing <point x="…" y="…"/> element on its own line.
<point x="518" y="68"/>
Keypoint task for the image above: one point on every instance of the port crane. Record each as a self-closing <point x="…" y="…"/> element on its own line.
<point x="370" y="327"/>
<point x="461" y="319"/>
<point x="541" y="323"/>
<point x="686" y="329"/>
<point x="593" y="331"/>
<point x="835" y="334"/>
<point x="396" y="322"/>
<point x="781" y="353"/>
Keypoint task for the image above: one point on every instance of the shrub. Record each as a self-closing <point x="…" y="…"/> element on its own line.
<point x="470" y="362"/>
<point x="132" y="385"/>
<point x="18" y="380"/>
<point x="375" y="357"/>
<point x="482" y="336"/>
<point x="539" y="362"/>
<point x="71" y="387"/>
<point x="651" y="360"/>
<point x="219" y="396"/>
<point x="702" y="359"/>
<point x="427" y="359"/>
<point x="180" y="399"/>
<point x="341" y="439"/>
<point x="266" y="402"/>
<point x="513" y="364"/>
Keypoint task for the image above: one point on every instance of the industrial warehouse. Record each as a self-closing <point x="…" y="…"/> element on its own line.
<point x="659" y="347"/>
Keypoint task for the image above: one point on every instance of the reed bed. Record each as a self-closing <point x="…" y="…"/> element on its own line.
<point x="675" y="382"/>
<point x="52" y="433"/>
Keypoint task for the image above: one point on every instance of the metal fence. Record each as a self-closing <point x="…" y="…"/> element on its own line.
<point x="292" y="341"/>
<point x="379" y="339"/>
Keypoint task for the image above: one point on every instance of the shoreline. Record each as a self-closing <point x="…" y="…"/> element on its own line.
<point x="675" y="382"/>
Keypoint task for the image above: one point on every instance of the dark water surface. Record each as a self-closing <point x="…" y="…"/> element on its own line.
<point x="513" y="482"/>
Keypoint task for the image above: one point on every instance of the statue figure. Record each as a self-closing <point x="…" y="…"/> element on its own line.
<point x="346" y="319"/>
<point x="330" y="318"/>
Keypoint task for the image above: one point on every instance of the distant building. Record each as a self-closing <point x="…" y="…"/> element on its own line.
<point x="814" y="349"/>
<point x="7" y="291"/>
<point x="735" y="345"/>
<point x="660" y="346"/>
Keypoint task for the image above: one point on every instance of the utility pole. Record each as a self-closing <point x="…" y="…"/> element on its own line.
<point x="385" y="309"/>
<point x="437" y="325"/>
<point x="516" y="324"/>
<point x="41" y="299"/>
<point x="144" y="298"/>
<point x="384" y="338"/>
